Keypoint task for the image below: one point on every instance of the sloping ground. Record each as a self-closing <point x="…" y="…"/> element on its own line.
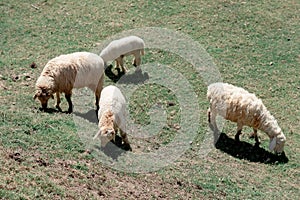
<point x="254" y="45"/>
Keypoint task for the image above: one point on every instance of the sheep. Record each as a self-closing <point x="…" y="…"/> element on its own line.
<point x="238" y="105"/>
<point x="65" y="72"/>
<point x="117" y="49"/>
<point x="111" y="115"/>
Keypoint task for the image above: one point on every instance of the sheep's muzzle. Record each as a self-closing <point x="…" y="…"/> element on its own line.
<point x="107" y="136"/>
<point x="44" y="105"/>
<point x="43" y="96"/>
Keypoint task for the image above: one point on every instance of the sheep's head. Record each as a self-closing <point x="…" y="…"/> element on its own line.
<point x="107" y="134"/>
<point x="43" y="95"/>
<point x="277" y="143"/>
<point x="107" y="131"/>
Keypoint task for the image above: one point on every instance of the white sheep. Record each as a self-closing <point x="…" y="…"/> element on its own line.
<point x="111" y="115"/>
<point x="238" y="105"/>
<point x="65" y="72"/>
<point x="117" y="49"/>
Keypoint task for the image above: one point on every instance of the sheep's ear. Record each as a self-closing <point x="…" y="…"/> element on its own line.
<point x="38" y="93"/>
<point x="97" y="134"/>
<point x="272" y="144"/>
<point x="49" y="93"/>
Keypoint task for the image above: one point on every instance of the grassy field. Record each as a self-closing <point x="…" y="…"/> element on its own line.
<point x="254" y="45"/>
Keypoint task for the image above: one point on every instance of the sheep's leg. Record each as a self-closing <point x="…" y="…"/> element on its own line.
<point x="212" y="121"/>
<point x="124" y="69"/>
<point x="239" y="132"/>
<point x="124" y="137"/>
<point x="254" y="134"/>
<point x="98" y="91"/>
<point x="122" y="64"/>
<point x="125" y="140"/>
<point x="137" y="60"/>
<point x="68" y="97"/>
<point x="213" y="125"/>
<point x="208" y="116"/>
<point x="118" y="63"/>
<point x="237" y="135"/>
<point x="58" y="101"/>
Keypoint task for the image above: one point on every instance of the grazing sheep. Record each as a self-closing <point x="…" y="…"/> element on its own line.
<point x="111" y="115"/>
<point x="65" y="72"/>
<point x="117" y="49"/>
<point x="238" y="105"/>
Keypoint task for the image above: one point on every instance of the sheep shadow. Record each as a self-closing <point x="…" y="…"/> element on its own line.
<point x="246" y="151"/>
<point x="111" y="75"/>
<point x="53" y="110"/>
<point x="137" y="77"/>
<point x="49" y="110"/>
<point x="91" y="116"/>
<point x="114" y="149"/>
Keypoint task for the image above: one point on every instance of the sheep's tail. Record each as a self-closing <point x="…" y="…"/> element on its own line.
<point x="97" y="134"/>
<point x="105" y="65"/>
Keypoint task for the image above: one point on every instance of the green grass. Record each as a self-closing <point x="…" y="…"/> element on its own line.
<point x="254" y="45"/>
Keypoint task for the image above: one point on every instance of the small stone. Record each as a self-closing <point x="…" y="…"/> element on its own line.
<point x="173" y="112"/>
<point x="171" y="103"/>
<point x="33" y="65"/>
<point x="87" y="151"/>
<point x="3" y="86"/>
<point x="177" y="126"/>
<point x="15" y="77"/>
<point x="27" y="76"/>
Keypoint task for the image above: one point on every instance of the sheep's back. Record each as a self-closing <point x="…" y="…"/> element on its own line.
<point x="74" y="70"/>
<point x="235" y="104"/>
<point x="90" y="68"/>
<point x="121" y="47"/>
<point x="113" y="99"/>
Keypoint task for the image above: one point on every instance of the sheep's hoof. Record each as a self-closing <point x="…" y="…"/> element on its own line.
<point x="127" y="147"/>
<point x="58" y="108"/>
<point x="237" y="138"/>
<point x="252" y="135"/>
<point x="138" y="70"/>
<point x="69" y="111"/>
<point x="118" y="70"/>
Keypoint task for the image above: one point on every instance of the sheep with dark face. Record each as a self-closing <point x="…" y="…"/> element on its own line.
<point x="111" y="115"/>
<point x="117" y="49"/>
<point x="238" y="105"/>
<point x="65" y="72"/>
